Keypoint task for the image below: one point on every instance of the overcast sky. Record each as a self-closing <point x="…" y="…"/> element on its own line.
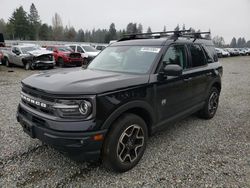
<point x="227" y="18"/>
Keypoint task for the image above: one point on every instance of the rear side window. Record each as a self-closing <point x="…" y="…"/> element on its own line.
<point x="197" y="55"/>
<point x="176" y="55"/>
<point x="212" y="52"/>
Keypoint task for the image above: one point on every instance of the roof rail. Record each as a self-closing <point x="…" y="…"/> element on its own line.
<point x="172" y="34"/>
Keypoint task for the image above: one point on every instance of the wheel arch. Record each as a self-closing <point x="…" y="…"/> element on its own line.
<point x="140" y="108"/>
<point x="217" y="85"/>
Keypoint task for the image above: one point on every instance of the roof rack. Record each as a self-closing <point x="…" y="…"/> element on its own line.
<point x="172" y="34"/>
<point x="196" y="35"/>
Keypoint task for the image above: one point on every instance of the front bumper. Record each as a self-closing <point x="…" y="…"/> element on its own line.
<point x="43" y="64"/>
<point x="74" y="143"/>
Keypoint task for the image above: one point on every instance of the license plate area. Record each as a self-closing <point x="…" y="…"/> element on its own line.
<point x="27" y="127"/>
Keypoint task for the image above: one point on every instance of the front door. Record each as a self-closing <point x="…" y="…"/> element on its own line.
<point x="174" y="93"/>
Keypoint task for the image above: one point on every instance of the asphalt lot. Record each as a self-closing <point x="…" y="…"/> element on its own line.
<point x="190" y="153"/>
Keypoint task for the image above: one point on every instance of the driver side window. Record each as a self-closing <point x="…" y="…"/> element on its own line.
<point x="176" y="54"/>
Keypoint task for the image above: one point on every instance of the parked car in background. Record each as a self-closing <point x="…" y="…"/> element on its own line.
<point x="100" y="47"/>
<point x="28" y="56"/>
<point x="64" y="56"/>
<point x="233" y="51"/>
<point x="242" y="51"/>
<point x="222" y="52"/>
<point x="88" y="52"/>
<point x="219" y="53"/>
<point x="2" y="42"/>
<point x="1" y="57"/>
<point x="248" y="51"/>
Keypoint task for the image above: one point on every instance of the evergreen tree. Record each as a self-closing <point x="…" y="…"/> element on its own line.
<point x="19" y="24"/>
<point x="35" y="23"/>
<point x="243" y="42"/>
<point x="132" y="28"/>
<point x="233" y="43"/>
<point x="112" y="32"/>
<point x="177" y="28"/>
<point x="43" y="32"/>
<point x="2" y="27"/>
<point x="149" y="30"/>
<point x="140" y="28"/>
<point x="80" y="36"/>
<point x="239" y="43"/>
<point x="183" y="27"/>
<point x="164" y="29"/>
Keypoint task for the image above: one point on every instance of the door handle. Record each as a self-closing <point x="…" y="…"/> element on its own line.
<point x="187" y="79"/>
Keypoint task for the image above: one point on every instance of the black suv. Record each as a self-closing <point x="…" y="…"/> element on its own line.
<point x="134" y="87"/>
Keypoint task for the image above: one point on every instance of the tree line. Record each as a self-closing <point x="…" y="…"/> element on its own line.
<point x="24" y="25"/>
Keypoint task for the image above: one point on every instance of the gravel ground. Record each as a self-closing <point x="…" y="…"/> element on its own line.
<point x="190" y="153"/>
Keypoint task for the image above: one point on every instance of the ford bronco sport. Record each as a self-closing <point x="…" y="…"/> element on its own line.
<point x="134" y="87"/>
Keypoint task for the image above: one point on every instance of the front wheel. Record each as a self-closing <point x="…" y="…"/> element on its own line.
<point x="7" y="63"/>
<point x="211" y="105"/>
<point x="28" y="66"/>
<point x="61" y="62"/>
<point x="125" y="143"/>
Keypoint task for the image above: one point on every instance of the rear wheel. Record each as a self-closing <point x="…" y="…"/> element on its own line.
<point x="211" y="105"/>
<point x="125" y="143"/>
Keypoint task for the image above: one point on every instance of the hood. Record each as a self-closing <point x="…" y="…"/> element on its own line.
<point x="93" y="53"/>
<point x="40" y="52"/>
<point x="83" y="81"/>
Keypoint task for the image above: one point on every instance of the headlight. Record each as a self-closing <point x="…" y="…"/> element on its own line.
<point x="85" y="108"/>
<point x="74" y="108"/>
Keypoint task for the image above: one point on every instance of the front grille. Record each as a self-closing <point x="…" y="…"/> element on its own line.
<point x="75" y="55"/>
<point x="47" y="57"/>
<point x="37" y="100"/>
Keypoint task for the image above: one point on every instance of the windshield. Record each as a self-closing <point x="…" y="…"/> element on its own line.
<point x="89" y="49"/>
<point x="64" y="49"/>
<point x="25" y="50"/>
<point x="129" y="59"/>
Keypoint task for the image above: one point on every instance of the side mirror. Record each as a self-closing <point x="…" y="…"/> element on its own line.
<point x="172" y="70"/>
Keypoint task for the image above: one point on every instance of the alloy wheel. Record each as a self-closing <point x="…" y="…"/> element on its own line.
<point x="213" y="102"/>
<point x="130" y="144"/>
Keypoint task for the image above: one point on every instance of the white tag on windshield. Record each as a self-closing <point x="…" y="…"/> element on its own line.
<point x="148" y="49"/>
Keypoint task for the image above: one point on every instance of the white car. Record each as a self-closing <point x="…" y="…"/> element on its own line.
<point x="223" y="52"/>
<point x="88" y="52"/>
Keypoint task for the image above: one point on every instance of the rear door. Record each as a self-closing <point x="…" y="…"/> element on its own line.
<point x="199" y="73"/>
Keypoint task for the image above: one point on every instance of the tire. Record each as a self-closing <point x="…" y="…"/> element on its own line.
<point x="125" y="143"/>
<point x="85" y="61"/>
<point x="211" y="105"/>
<point x="28" y="66"/>
<point x="61" y="62"/>
<point x="7" y="63"/>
